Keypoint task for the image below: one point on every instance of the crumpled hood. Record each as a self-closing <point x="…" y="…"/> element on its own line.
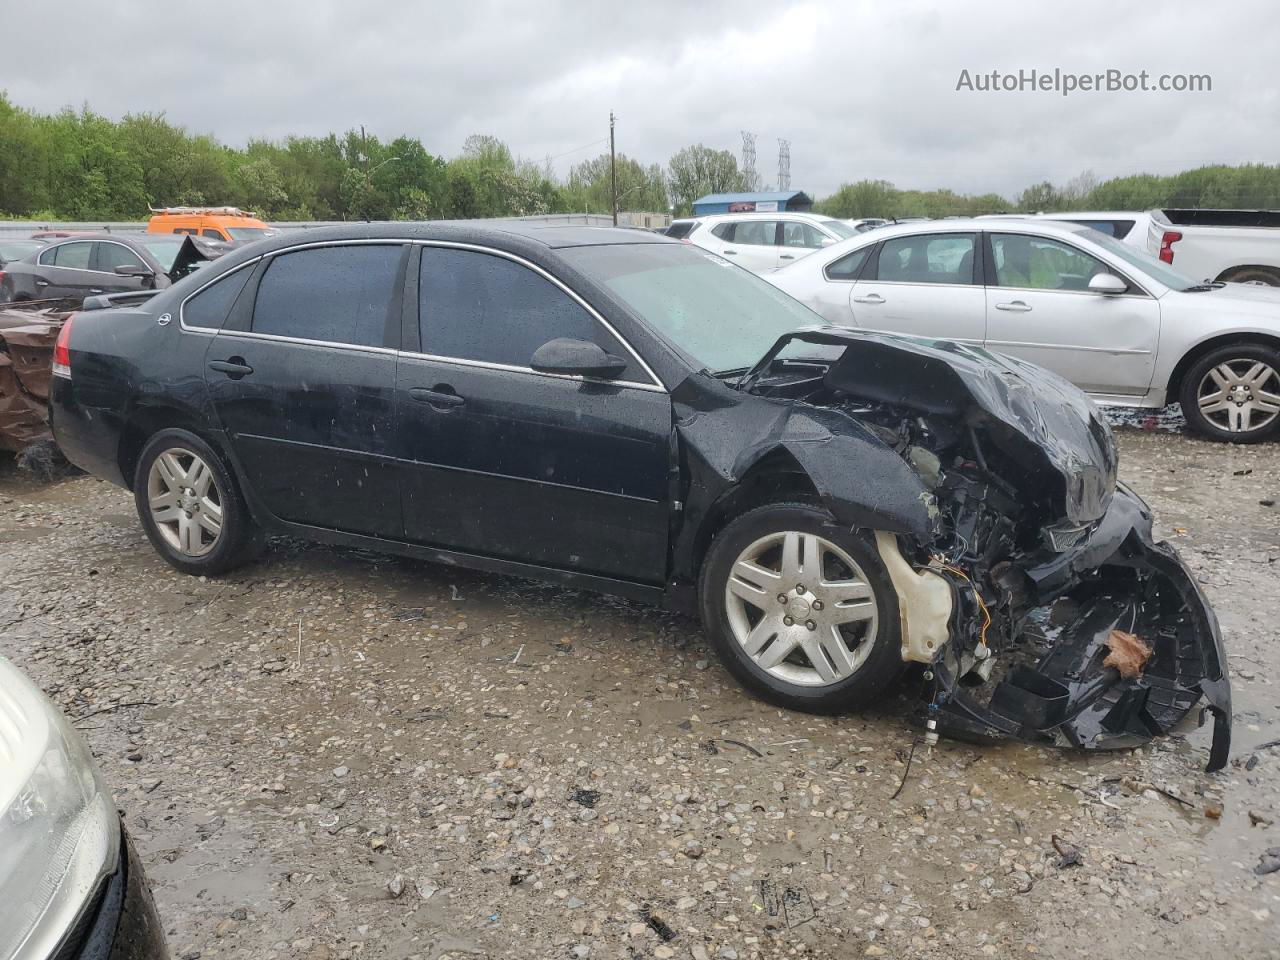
<point x="1044" y="423"/>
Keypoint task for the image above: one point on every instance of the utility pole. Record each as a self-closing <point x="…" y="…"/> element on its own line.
<point x="613" y="172"/>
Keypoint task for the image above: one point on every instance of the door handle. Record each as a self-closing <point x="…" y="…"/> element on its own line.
<point x="441" y="396"/>
<point x="42" y="283"/>
<point x="95" y="289"/>
<point x="234" y="367"/>
<point x="785" y="256"/>
<point x="732" y="253"/>
<point x="1014" y="306"/>
<point x="869" y="298"/>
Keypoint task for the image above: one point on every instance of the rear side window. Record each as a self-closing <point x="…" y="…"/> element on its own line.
<point x="210" y="307"/>
<point x="681" y="228"/>
<point x="762" y="233"/>
<point x="928" y="258"/>
<point x="339" y="294"/>
<point x="723" y="230"/>
<point x="72" y="255"/>
<point x="798" y="234"/>
<point x="475" y="306"/>
<point x="849" y="266"/>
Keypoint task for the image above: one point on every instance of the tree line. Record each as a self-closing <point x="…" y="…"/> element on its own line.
<point x="79" y="165"/>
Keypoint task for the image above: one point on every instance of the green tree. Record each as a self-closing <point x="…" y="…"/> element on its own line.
<point x="697" y="171"/>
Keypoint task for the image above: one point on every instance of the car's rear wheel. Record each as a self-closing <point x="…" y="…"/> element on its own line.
<point x="801" y="610"/>
<point x="190" y="506"/>
<point x="1232" y="393"/>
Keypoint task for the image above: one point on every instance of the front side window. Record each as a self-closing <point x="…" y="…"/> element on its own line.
<point x="796" y="233"/>
<point x="74" y="256"/>
<point x="165" y="251"/>
<point x="1038" y="263"/>
<point x="477" y="306"/>
<point x="761" y="233"/>
<point x="112" y="255"/>
<point x="342" y="294"/>
<point x="928" y="258"/>
<point x="209" y="308"/>
<point x="214" y="234"/>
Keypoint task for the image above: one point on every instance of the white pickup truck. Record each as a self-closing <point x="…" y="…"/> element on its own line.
<point x="1239" y="246"/>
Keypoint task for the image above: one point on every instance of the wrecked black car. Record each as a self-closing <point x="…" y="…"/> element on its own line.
<point x="622" y="412"/>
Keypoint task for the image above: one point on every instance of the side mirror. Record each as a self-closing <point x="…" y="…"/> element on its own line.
<point x="580" y="358"/>
<point x="133" y="270"/>
<point x="1107" y="284"/>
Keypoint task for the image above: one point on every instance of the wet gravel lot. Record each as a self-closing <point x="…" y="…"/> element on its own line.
<point x="333" y="754"/>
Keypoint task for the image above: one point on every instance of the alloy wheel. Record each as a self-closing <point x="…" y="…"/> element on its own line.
<point x="801" y="608"/>
<point x="1240" y="395"/>
<point x="185" y="502"/>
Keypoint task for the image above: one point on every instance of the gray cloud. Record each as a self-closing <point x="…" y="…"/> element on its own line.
<point x="861" y="90"/>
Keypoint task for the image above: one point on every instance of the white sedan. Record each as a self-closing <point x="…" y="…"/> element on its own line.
<point x="1115" y="321"/>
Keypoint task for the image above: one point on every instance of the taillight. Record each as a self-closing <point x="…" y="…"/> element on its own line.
<point x="62" y="350"/>
<point x="1166" y="245"/>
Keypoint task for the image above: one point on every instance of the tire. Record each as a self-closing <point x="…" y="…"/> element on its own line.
<point x="1232" y="393"/>
<point x="176" y="503"/>
<point x="1259" y="275"/>
<point x="872" y="658"/>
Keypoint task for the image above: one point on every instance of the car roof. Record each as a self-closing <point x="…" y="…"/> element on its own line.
<point x="764" y="215"/>
<point x="1070" y="215"/>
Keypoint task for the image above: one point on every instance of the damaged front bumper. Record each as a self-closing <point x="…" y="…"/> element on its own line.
<point x="1053" y="686"/>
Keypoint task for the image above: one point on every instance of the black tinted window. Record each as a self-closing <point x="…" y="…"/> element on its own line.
<point x="339" y="294"/>
<point x="848" y="266"/>
<point x="680" y="229"/>
<point x="209" y="307"/>
<point x="723" y="230"/>
<point x="475" y="306"/>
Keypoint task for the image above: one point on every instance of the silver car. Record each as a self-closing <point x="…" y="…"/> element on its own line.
<point x="1126" y="328"/>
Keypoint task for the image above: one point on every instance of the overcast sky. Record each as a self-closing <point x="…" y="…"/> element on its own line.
<point x="860" y="89"/>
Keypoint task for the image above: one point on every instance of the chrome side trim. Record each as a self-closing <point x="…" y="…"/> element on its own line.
<point x="303" y="341"/>
<point x="510" y="368"/>
<point x="996" y="344"/>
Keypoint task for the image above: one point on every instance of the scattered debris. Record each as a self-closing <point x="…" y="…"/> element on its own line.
<point x="1269" y="862"/>
<point x="656" y="924"/>
<point x="733" y="743"/>
<point x="1128" y="653"/>
<point x="1069" y="854"/>
<point x="585" y="798"/>
<point x="906" y="770"/>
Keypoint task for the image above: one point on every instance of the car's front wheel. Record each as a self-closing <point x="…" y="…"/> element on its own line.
<point x="189" y="505"/>
<point x="1232" y="393"/>
<point x="801" y="610"/>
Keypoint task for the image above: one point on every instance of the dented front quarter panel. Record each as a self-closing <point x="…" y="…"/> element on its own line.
<point x="724" y="434"/>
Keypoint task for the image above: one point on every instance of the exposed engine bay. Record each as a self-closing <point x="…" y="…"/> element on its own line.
<point x="1029" y="583"/>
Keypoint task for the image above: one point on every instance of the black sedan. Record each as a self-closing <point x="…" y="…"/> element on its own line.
<point x="93" y="264"/>
<point x="619" y="411"/>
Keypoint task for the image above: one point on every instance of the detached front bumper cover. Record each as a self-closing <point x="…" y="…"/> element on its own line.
<point x="1119" y="578"/>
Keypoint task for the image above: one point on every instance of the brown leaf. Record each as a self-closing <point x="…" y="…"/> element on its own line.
<point x="1128" y="653"/>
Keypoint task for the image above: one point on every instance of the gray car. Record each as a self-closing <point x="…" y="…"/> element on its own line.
<point x="84" y="266"/>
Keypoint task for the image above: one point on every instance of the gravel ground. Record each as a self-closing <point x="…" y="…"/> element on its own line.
<point x="334" y="754"/>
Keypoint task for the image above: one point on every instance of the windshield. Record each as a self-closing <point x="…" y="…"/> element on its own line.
<point x="1152" y="267"/>
<point x="249" y="234"/>
<point x="17" y="249"/>
<point x="721" y="315"/>
<point x="839" y="228"/>
<point x="165" y="251"/>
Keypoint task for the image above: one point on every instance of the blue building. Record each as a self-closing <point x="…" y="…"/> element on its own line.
<point x="793" y="200"/>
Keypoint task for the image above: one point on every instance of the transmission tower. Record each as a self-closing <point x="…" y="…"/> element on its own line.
<point x="749" y="159"/>
<point x="784" y="164"/>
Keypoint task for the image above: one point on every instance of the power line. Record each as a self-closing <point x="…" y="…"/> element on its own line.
<point x="585" y="146"/>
